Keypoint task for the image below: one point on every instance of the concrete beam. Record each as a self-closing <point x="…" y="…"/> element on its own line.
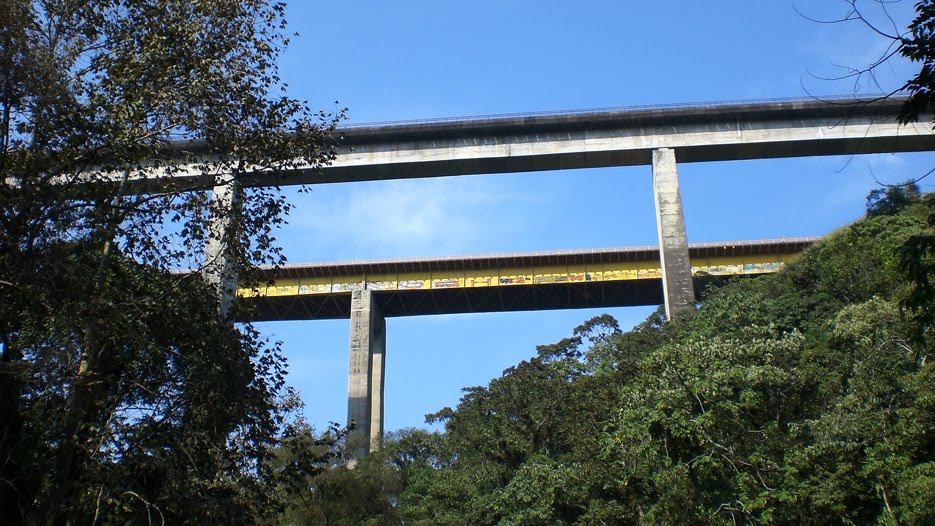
<point x="677" y="288"/>
<point x="365" y="375"/>
<point x="525" y="150"/>
<point x="601" y="138"/>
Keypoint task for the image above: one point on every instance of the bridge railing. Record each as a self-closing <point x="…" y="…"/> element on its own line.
<point x="831" y="99"/>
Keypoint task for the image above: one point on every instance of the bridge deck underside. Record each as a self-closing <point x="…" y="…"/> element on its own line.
<point x="455" y="301"/>
<point x="589" y="139"/>
<point x="506" y="282"/>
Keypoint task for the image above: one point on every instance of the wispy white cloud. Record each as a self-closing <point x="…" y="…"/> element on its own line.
<point x="856" y="176"/>
<point x="405" y="218"/>
<point x="842" y="48"/>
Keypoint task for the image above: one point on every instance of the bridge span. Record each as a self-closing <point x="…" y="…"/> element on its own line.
<point x="628" y="136"/>
<point x="623" y="137"/>
<point x="612" y="277"/>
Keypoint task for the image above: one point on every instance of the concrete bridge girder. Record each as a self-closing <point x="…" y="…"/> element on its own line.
<point x="600" y="138"/>
<point x="620" y="147"/>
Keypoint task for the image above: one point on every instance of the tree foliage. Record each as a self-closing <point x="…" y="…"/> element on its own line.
<point x="891" y="199"/>
<point x="797" y="398"/>
<point x="368" y="493"/>
<point x="917" y="46"/>
<point x="124" y="398"/>
<point x="171" y="420"/>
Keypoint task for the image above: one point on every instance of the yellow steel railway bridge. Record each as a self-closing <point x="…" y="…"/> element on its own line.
<point x="613" y="277"/>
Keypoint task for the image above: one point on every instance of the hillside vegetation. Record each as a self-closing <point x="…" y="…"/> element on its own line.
<point x="803" y="397"/>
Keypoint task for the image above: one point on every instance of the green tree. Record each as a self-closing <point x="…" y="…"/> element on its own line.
<point x="918" y="46"/>
<point x="519" y="451"/>
<point x="124" y="400"/>
<point x="889" y="200"/>
<point x="795" y="398"/>
<point x="917" y="262"/>
<point x="176" y="416"/>
<point x="333" y="494"/>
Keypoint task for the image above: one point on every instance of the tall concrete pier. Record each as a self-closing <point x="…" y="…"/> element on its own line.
<point x="220" y="270"/>
<point x="677" y="287"/>
<point x="365" y="375"/>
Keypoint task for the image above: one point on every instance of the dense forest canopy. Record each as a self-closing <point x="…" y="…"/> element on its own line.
<point x="124" y="398"/>
<point x="804" y="397"/>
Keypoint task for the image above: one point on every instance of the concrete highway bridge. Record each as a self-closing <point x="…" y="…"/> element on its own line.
<point x="659" y="137"/>
<point x="562" y="140"/>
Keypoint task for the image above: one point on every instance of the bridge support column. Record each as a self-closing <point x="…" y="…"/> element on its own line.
<point x="365" y="375"/>
<point x="220" y="269"/>
<point x="677" y="287"/>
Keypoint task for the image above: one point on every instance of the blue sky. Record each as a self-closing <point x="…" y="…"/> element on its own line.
<point x="419" y="59"/>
